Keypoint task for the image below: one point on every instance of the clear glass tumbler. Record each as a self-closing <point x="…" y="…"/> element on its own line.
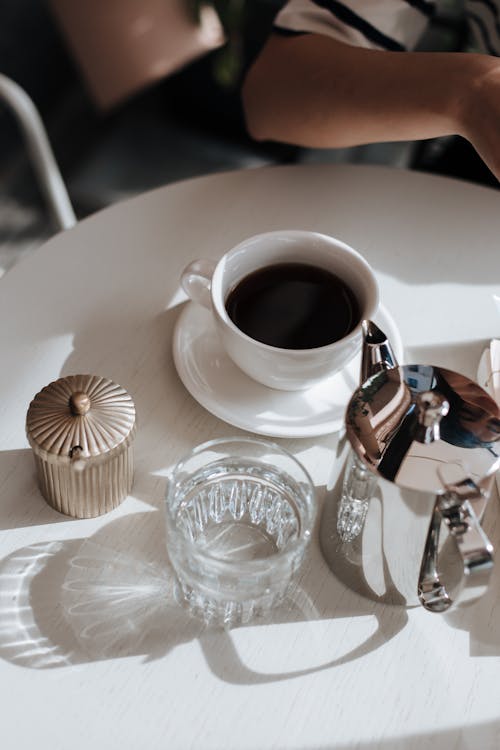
<point x="239" y="514"/>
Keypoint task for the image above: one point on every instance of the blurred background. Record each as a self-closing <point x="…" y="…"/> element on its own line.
<point x="139" y="93"/>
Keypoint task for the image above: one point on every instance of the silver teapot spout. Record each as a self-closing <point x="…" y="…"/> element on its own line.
<point x="377" y="352"/>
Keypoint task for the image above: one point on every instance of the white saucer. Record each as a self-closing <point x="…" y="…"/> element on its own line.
<point x="225" y="391"/>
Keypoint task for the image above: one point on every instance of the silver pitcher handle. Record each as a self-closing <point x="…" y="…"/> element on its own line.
<point x="455" y="508"/>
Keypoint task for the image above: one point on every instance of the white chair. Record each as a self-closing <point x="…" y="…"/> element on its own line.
<point x="42" y="157"/>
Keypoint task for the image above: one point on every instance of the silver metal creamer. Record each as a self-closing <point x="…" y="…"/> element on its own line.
<point x="424" y="452"/>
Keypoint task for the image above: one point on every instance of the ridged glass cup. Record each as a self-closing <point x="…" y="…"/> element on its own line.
<point x="239" y="514"/>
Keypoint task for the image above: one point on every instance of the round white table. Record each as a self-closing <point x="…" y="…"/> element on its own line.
<point x="95" y="653"/>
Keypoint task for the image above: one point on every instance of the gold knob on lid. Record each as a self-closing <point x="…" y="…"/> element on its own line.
<point x="79" y="403"/>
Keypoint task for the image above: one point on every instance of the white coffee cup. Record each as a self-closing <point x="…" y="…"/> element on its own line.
<point x="209" y="283"/>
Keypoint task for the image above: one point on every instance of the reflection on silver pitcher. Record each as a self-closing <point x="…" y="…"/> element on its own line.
<point x="424" y="452"/>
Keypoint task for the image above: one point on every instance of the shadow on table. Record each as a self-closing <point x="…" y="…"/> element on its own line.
<point x="22" y="503"/>
<point x="81" y="600"/>
<point x="78" y="601"/>
<point x="113" y="595"/>
<point x="481" y="736"/>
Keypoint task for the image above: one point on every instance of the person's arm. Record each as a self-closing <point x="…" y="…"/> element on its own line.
<point x="314" y="91"/>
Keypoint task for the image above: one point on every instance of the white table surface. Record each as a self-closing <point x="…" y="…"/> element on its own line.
<point x="127" y="668"/>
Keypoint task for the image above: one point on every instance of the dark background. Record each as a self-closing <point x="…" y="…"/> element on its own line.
<point x="181" y="111"/>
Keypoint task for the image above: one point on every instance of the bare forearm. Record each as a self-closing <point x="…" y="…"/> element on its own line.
<point x="314" y="91"/>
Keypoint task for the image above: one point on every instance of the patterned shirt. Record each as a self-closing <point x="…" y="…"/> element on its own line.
<point x="384" y="24"/>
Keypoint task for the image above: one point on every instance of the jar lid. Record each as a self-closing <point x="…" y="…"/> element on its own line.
<point x="416" y="425"/>
<point x="84" y="414"/>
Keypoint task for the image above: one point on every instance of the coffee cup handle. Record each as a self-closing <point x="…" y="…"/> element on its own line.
<point x="196" y="280"/>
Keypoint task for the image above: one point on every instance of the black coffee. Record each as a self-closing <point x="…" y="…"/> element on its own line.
<point x="293" y="306"/>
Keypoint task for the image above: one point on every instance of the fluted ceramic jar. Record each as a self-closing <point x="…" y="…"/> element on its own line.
<point x="81" y="429"/>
